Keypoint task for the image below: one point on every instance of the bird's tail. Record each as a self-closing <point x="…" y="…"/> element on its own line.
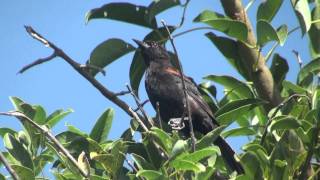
<point x="228" y="155"/>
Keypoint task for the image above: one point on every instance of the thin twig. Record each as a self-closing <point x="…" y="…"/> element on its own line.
<point x="137" y="100"/>
<point x="264" y="134"/>
<point x="48" y="134"/>
<point x="8" y="167"/>
<point x="37" y="62"/>
<point x="183" y="13"/>
<point x="158" y="115"/>
<point x="142" y="104"/>
<point x="121" y="93"/>
<point x="186" y="104"/>
<point x="104" y="91"/>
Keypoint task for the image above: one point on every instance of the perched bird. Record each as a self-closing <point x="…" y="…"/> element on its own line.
<point x="164" y="86"/>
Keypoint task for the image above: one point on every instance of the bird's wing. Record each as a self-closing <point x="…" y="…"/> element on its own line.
<point x="193" y="92"/>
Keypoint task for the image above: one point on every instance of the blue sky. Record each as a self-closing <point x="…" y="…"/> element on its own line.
<point x="56" y="85"/>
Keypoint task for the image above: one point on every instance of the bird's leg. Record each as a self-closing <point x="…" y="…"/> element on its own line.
<point x="177" y="123"/>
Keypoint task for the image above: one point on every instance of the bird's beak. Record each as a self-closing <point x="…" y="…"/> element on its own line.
<point x="141" y="44"/>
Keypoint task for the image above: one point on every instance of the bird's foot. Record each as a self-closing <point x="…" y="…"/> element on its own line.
<point x="177" y="123"/>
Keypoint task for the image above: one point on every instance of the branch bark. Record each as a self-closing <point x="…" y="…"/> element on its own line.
<point x="8" y="167"/>
<point x="258" y="71"/>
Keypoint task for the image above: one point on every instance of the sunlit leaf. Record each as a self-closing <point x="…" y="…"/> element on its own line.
<point x="125" y="12"/>
<point x="312" y="67"/>
<point x="303" y="14"/>
<point x="268" y="9"/>
<point x="107" y="52"/>
<point x="242" y="131"/>
<point x="102" y="127"/>
<point x="232" y="28"/>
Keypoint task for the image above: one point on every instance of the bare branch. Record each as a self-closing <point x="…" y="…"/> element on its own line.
<point x="158" y="115"/>
<point x="48" y="134"/>
<point x="104" y="91"/>
<point x="186" y="104"/>
<point x="8" y="167"/>
<point x="37" y="62"/>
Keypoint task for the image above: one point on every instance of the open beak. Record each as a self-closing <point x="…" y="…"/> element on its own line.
<point x="141" y="44"/>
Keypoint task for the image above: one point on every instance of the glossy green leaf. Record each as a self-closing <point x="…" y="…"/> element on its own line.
<point x="185" y="165"/>
<point x="234" y="109"/>
<point x="107" y="52"/>
<point x="207" y="174"/>
<point x="295" y="88"/>
<point x="224" y="45"/>
<point x="302" y="11"/>
<point x="76" y="130"/>
<point x="153" y="152"/>
<point x="286" y="122"/>
<point x="179" y="147"/>
<point x="18" y="151"/>
<point x="23" y="172"/>
<point x="209" y="138"/>
<point x="125" y="12"/>
<point x="16" y="102"/>
<point x="102" y="127"/>
<point x="242" y="131"/>
<point x="282" y="33"/>
<point x="40" y="115"/>
<point x="57" y="116"/>
<point x="40" y="162"/>
<point x="202" y="153"/>
<point x="314" y="33"/>
<point x="312" y="67"/>
<point x="279" y="69"/>
<point x="232" y="28"/>
<point x="266" y="33"/>
<point x="268" y="9"/>
<point x="163" y="138"/>
<point x="150" y="174"/>
<point x="156" y="7"/>
<point x="232" y="84"/>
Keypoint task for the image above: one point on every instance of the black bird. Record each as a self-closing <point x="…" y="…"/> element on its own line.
<point x="163" y="85"/>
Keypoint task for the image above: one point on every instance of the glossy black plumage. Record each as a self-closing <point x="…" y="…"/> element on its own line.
<point x="163" y="85"/>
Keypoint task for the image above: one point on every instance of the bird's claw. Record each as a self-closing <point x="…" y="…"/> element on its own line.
<point x="177" y="123"/>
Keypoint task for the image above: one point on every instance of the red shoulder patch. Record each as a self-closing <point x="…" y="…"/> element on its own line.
<point x="172" y="71"/>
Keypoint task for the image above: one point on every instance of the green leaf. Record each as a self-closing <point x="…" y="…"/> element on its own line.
<point x="267" y="33"/>
<point x="185" y="165"/>
<point x="164" y="140"/>
<point x="295" y="88"/>
<point x="102" y="127"/>
<point x="40" y="115"/>
<point x="232" y="84"/>
<point x="23" y="172"/>
<point x="158" y="6"/>
<point x="2" y="177"/>
<point x="207" y="174"/>
<point x="282" y="33"/>
<point x="268" y="9"/>
<point x="142" y="163"/>
<point x="251" y="165"/>
<point x="202" y="153"/>
<point x="284" y="122"/>
<point x="279" y="69"/>
<point x="107" y="52"/>
<point x="16" y="102"/>
<point x="311" y="67"/>
<point x="40" y="162"/>
<point x="302" y="11"/>
<point x="75" y="130"/>
<point x="4" y="131"/>
<point x="150" y="174"/>
<point x="18" y="151"/>
<point x="232" y="28"/>
<point x="179" y="147"/>
<point x="56" y="116"/>
<point x="242" y="131"/>
<point x="314" y="33"/>
<point x="125" y="12"/>
<point x="209" y="138"/>
<point x="234" y="109"/>
<point x="224" y="45"/>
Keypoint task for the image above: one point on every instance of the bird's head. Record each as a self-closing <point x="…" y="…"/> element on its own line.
<point x="153" y="52"/>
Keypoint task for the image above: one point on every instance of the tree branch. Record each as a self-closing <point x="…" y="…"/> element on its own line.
<point x="48" y="134"/>
<point x="261" y="75"/>
<point x="186" y="104"/>
<point x="8" y="167"/>
<point x="104" y="91"/>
